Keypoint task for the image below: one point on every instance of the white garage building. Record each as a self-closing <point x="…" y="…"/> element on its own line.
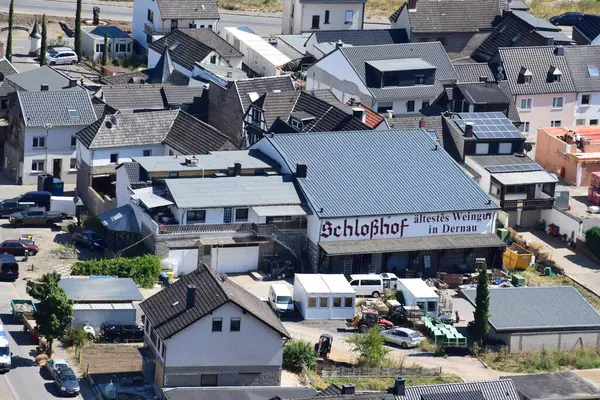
<point x="99" y="299"/>
<point x="541" y="317"/>
<point x="324" y="296"/>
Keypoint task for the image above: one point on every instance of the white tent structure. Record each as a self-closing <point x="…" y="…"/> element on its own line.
<point x="418" y="293"/>
<point x="324" y="296"/>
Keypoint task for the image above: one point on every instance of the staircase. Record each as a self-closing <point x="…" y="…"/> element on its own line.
<point x="290" y="243"/>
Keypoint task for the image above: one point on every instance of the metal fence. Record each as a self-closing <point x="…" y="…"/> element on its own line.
<point x="344" y="372"/>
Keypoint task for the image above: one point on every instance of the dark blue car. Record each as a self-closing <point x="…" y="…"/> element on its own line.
<point x="88" y="239"/>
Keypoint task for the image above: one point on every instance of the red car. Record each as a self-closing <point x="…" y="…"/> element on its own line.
<point x="16" y="248"/>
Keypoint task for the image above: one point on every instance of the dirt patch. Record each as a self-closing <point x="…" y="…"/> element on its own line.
<point x="108" y="358"/>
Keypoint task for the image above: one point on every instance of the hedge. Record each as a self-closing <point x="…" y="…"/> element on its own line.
<point x="144" y="270"/>
<point x="592" y="240"/>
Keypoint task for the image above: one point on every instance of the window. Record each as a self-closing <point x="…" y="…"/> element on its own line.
<point x="580" y="122"/>
<point x="337" y="302"/>
<point x="383" y="107"/>
<point x="217" y="324"/>
<point x="147" y="153"/>
<point x="557" y="102"/>
<point x="292" y="13"/>
<point x="348" y="16"/>
<point x="3" y="104"/>
<point x="585" y="99"/>
<point x="150" y="16"/>
<point x="410" y="106"/>
<point x="174" y="24"/>
<point x="482" y="148"/>
<point x="593" y="122"/>
<point x="171" y="153"/>
<point x="73" y="141"/>
<point x="241" y="214"/>
<point x="296" y="123"/>
<point x="39" y="142"/>
<point x="37" y="165"/>
<point x="163" y="351"/>
<point x="593" y="71"/>
<point x="527" y="79"/>
<point x="431" y="306"/>
<point x="548" y="188"/>
<point x="525" y="104"/>
<point x="323" y="302"/>
<point x="556" y="124"/>
<point x="213" y="59"/>
<point x="315" y="22"/>
<point x="234" y="324"/>
<point x="524" y="127"/>
<point x="73" y="164"/>
<point x="516" y="189"/>
<point x="73" y="113"/>
<point x="424" y="104"/>
<point x="348" y="302"/>
<point x="326" y="21"/>
<point x="121" y="47"/>
<point x="505" y="148"/>
<point x="312" y="302"/>
<point x="196" y="216"/>
<point x="114" y="158"/>
<point x="255" y="114"/>
<point x="370" y="282"/>
<point x="208" y="380"/>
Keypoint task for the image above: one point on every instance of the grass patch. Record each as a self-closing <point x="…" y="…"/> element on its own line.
<point x="542" y="361"/>
<point x="547" y="9"/>
<point x="386" y="383"/>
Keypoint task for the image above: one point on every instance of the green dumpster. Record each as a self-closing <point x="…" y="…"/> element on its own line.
<point x="548" y="271"/>
<point x="518" y="280"/>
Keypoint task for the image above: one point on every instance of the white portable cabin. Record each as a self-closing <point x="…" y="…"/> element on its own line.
<point x="324" y="296"/>
<point x="418" y="293"/>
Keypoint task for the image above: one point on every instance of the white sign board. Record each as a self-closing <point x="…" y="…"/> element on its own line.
<point x="409" y="225"/>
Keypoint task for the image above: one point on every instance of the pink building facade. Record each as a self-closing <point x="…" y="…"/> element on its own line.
<point x="545" y="110"/>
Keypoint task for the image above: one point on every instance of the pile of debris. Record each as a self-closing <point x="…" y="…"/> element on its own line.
<point x="23" y="307"/>
<point x="66" y="253"/>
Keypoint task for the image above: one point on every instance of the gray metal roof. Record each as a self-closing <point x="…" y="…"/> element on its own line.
<point x="101" y="289"/>
<point x="113" y="32"/>
<point x="524" y="178"/>
<point x="391" y="172"/>
<point x="235" y="191"/>
<point x="555" y="386"/>
<point x="540" y="308"/>
<point x="579" y="58"/>
<point x="32" y="80"/>
<point x="501" y="389"/>
<point x="239" y="393"/>
<point x="215" y="160"/>
<point x="58" y="108"/>
<point x="121" y="219"/>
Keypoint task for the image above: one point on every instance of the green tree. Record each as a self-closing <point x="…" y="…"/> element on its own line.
<point x="54" y="311"/>
<point x="105" y="50"/>
<point x="44" y="44"/>
<point x="298" y="354"/>
<point x="481" y="324"/>
<point x="78" y="30"/>
<point x="11" y="12"/>
<point x="592" y="240"/>
<point x="77" y="338"/>
<point x="370" y="347"/>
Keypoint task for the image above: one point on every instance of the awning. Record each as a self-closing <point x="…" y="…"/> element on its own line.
<point x="120" y="219"/>
<point x="398" y="245"/>
<point x="278" y="211"/>
<point x="525" y="178"/>
<point x="150" y="199"/>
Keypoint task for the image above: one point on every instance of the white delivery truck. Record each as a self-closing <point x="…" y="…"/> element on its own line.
<point x="63" y="204"/>
<point x="5" y="354"/>
<point x="280" y="299"/>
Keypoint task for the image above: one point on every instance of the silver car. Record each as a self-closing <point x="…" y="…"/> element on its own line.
<point x="61" y="55"/>
<point x="403" y="337"/>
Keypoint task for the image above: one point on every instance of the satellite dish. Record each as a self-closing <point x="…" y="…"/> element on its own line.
<point x="528" y="147"/>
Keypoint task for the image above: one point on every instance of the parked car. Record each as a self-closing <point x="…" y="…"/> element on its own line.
<point x="566" y="19"/>
<point x="11" y="206"/>
<point x="403" y="337"/>
<point x="35" y="216"/>
<point x="18" y="248"/>
<point x="9" y="268"/>
<point x="88" y="239"/>
<point x="61" y="55"/>
<point x="39" y="198"/>
<point x="117" y="332"/>
<point x="55" y="366"/>
<point x="67" y="383"/>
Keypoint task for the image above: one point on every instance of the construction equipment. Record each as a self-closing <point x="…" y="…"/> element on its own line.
<point x="323" y="347"/>
<point x="370" y="318"/>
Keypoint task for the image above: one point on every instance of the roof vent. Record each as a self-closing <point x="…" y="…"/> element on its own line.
<point x="44" y="87"/>
<point x="468" y="129"/>
<point x="339" y="44"/>
<point x="191" y="161"/>
<point x="559" y="51"/>
<point x="202" y="7"/>
<point x="108" y="125"/>
<point x="483" y="79"/>
<point x="113" y="120"/>
<point x="348" y="388"/>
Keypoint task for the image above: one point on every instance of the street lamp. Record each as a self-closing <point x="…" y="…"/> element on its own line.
<point x="47" y="126"/>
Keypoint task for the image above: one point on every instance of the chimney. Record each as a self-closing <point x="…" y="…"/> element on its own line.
<point x="483" y="79"/>
<point x="399" y="386"/>
<point x="359" y="113"/>
<point x="559" y="51"/>
<point x="72" y="82"/>
<point x="348" y="388"/>
<point x="301" y="170"/>
<point x="549" y="41"/>
<point x="422" y="123"/>
<point x="390" y="113"/>
<point x="44" y="87"/>
<point x="229" y="74"/>
<point x="468" y="129"/>
<point x="191" y="297"/>
<point x="412" y="4"/>
<point x="237" y="169"/>
<point x="339" y="44"/>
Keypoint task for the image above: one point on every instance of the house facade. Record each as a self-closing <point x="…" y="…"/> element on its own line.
<point x="310" y="15"/>
<point x="584" y="68"/>
<point x="120" y="44"/>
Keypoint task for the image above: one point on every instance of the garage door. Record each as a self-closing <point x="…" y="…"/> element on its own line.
<point x="183" y="261"/>
<point x="232" y="260"/>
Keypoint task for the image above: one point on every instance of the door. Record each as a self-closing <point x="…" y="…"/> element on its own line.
<point x="233" y="260"/>
<point x="227" y="212"/>
<point x="57" y="168"/>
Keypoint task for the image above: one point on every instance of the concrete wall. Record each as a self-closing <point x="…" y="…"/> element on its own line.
<point x="542" y="113"/>
<point x="568" y="224"/>
<point x="336" y="16"/>
<point x="549" y="152"/>
<point x="102" y="156"/>
<point x="567" y="340"/>
<point x="140" y="13"/>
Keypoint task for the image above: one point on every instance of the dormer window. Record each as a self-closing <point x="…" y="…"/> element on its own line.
<point x="296" y="123"/>
<point x="554" y="75"/>
<point x="525" y="75"/>
<point x="300" y="119"/>
<point x="419" y="79"/>
<point x="402" y="72"/>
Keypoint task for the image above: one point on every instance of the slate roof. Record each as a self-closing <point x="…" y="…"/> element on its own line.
<point x="105" y="289"/>
<point x="121" y="219"/>
<point x="588" y="26"/>
<point x="538" y="60"/>
<point x="188" y="9"/>
<point x="189" y="46"/>
<point x="261" y="86"/>
<point x="579" y="58"/>
<point x="6" y="68"/>
<point x="40" y="108"/>
<point x="538" y="308"/>
<point x="189" y="135"/>
<point x="32" y="80"/>
<point x="430" y="52"/>
<point x="239" y="393"/>
<point x="134" y="97"/>
<point x="554" y="386"/>
<point x="113" y="32"/>
<point x="182" y="94"/>
<point x="361" y="37"/>
<point x="432" y="123"/>
<point x="133" y="171"/>
<point x="482" y="93"/>
<point x="398" y="169"/>
<point x="470" y="72"/>
<point x="167" y="319"/>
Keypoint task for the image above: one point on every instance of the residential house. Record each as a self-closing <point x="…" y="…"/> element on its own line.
<point x="117" y="138"/>
<point x="477" y="90"/>
<point x="311" y="15"/>
<point x="43" y="78"/>
<point x="587" y="30"/>
<point x="432" y="124"/>
<point x="519" y="29"/>
<point x="584" y="67"/>
<point x="199" y="340"/>
<point x="6" y="88"/>
<point x="119" y="43"/>
<point x="459" y="25"/>
<point x="540" y="86"/>
<point x="395" y="79"/>
<point x="320" y="43"/>
<point x="41" y="138"/>
<point x="240" y="392"/>
<point x="228" y="104"/>
<point x="153" y="19"/>
<point x="568" y="384"/>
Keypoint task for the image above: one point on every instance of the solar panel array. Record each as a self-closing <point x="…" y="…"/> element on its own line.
<point x="496" y="169"/>
<point x="489" y="125"/>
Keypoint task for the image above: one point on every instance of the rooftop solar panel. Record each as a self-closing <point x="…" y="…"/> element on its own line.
<point x="490" y="125"/>
<point x="497" y="169"/>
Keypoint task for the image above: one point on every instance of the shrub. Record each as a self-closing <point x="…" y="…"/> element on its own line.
<point x="592" y="240"/>
<point x="144" y="270"/>
<point x="298" y="354"/>
<point x="370" y="347"/>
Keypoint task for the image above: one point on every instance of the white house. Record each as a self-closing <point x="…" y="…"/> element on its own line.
<point x="203" y="340"/>
<point x="310" y="15"/>
<point x="42" y="127"/>
<point x="324" y="296"/>
<point x="152" y="19"/>
<point x="584" y="69"/>
<point x="120" y="44"/>
<point x="417" y="293"/>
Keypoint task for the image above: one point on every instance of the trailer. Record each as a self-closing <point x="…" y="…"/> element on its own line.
<point x="29" y="325"/>
<point x="63" y="204"/>
<point x="22" y="308"/>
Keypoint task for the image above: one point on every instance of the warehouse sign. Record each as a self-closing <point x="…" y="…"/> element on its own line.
<point x="410" y="225"/>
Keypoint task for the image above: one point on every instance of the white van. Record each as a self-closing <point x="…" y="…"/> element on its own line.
<point x="367" y="284"/>
<point x="280" y="299"/>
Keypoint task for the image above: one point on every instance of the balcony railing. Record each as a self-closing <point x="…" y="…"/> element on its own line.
<point x="205" y="228"/>
<point x="151" y="30"/>
<point x="535" y="204"/>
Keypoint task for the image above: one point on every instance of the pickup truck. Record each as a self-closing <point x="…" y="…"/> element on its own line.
<point x="35" y="216"/>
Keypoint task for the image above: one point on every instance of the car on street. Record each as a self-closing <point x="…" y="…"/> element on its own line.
<point x="61" y="55"/>
<point x="66" y="383"/>
<point x="18" y="248"/>
<point x="35" y="216"/>
<point x="88" y="239"/>
<point x="11" y="206"/>
<point x="55" y="366"/>
<point x="9" y="267"/>
<point x="117" y="332"/>
<point x="403" y="337"/>
<point x="566" y="19"/>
